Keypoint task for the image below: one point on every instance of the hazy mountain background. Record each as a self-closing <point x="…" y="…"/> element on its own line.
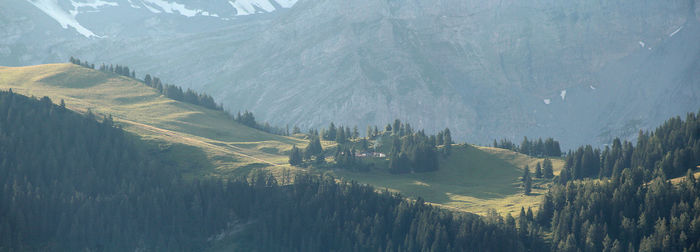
<point x="579" y="71"/>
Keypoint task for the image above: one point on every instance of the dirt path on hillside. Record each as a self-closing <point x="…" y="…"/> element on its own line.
<point x="191" y="141"/>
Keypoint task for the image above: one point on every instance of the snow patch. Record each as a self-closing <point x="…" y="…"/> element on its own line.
<point x="547" y="101"/>
<point x="151" y="9"/>
<point x="133" y="5"/>
<point x="676" y="31"/>
<point x="641" y="43"/>
<point x="173" y="7"/>
<point x="65" y="19"/>
<point x="247" y="7"/>
<point x="94" y="4"/>
<point x="563" y="94"/>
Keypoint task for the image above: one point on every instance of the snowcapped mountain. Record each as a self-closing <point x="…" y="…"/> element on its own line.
<point x="69" y="14"/>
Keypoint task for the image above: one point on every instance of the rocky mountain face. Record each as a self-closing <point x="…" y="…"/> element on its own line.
<point x="579" y="71"/>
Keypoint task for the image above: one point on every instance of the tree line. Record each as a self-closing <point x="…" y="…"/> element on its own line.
<point x="71" y="182"/>
<point x="670" y="150"/>
<point x="81" y="63"/>
<point x="547" y="148"/>
<point x="176" y="93"/>
<point x="635" y="207"/>
<point x="188" y="96"/>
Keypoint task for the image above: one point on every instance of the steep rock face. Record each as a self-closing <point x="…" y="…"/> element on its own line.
<point x="484" y="69"/>
<point x="580" y="71"/>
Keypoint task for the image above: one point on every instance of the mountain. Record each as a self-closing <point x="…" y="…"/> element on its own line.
<point x="503" y="69"/>
<point x="486" y="70"/>
<point x="106" y="17"/>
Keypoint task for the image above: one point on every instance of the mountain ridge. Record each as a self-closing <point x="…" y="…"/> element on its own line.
<point x="508" y="69"/>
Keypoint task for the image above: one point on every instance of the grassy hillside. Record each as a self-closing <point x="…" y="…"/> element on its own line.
<point x="231" y="147"/>
<point x="472" y="179"/>
<point x="207" y="143"/>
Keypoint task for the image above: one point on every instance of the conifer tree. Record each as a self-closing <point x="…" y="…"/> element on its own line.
<point x="527" y="181"/>
<point x="295" y="157"/>
<point x="447" y="141"/>
<point x="331" y="133"/>
<point x="538" y="170"/>
<point x="548" y="170"/>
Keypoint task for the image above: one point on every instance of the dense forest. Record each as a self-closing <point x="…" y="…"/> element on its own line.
<point x="547" y="148"/>
<point x="670" y="150"/>
<point x="634" y="207"/>
<point x="70" y="182"/>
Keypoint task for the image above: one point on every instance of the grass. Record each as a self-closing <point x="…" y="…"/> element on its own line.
<point x="473" y="179"/>
<point x="142" y="110"/>
<point x="206" y="143"/>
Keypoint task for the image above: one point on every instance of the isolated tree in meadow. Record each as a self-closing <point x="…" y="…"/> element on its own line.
<point x="147" y="80"/>
<point x="527" y="185"/>
<point x="527" y="181"/>
<point x="295" y="157"/>
<point x="526" y="173"/>
<point x="548" y="170"/>
<point x="538" y="171"/>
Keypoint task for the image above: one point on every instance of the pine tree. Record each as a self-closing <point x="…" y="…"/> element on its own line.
<point x="331" y="133"/>
<point x="295" y="157"/>
<point x="147" y="80"/>
<point x="340" y="137"/>
<point x="448" y="141"/>
<point x="525" y="147"/>
<point x="314" y="148"/>
<point x="527" y="181"/>
<point x="538" y="170"/>
<point x="397" y="127"/>
<point x="548" y="170"/>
